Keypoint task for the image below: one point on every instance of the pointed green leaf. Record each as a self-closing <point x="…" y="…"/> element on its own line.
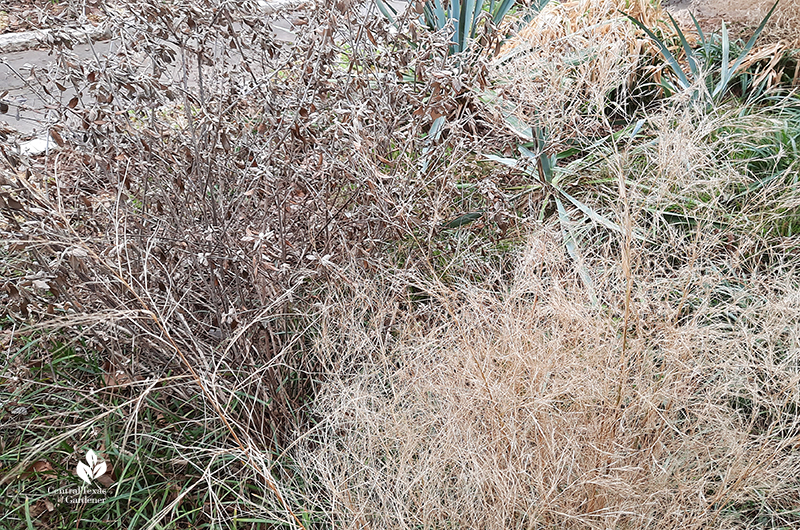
<point x="572" y="249"/>
<point x="637" y="127"/>
<point x="510" y="162"/>
<point x="475" y="14"/>
<point x="465" y="23"/>
<point x="694" y="64"/>
<point x="436" y="128"/>
<point x="590" y="213"/>
<point x="519" y="128"/>
<point x="547" y="163"/>
<point x="440" y="20"/>
<point x="673" y="63"/>
<point x="502" y="10"/>
<point x="706" y="43"/>
<point x="527" y="152"/>
<point x="387" y="10"/>
<point x="728" y="72"/>
<point x="463" y="220"/>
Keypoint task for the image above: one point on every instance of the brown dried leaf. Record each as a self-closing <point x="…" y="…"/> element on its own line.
<point x="44" y="467"/>
<point x="107" y="478"/>
<point x="56" y="137"/>
<point x="115" y="377"/>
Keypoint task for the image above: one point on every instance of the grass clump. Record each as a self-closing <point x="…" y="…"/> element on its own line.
<point x="523" y="406"/>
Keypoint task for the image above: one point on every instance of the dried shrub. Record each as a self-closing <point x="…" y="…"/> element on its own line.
<point x="211" y="175"/>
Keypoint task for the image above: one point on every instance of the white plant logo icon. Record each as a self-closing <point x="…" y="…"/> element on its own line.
<point x="94" y="468"/>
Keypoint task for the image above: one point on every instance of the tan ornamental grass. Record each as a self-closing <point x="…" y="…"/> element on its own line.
<point x="524" y="408"/>
<point x="516" y="401"/>
<point x="565" y="64"/>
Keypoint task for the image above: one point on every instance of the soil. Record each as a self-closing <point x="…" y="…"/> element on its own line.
<point x="741" y="17"/>
<point x="27" y="15"/>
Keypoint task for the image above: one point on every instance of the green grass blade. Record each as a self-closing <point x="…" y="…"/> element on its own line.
<point x="28" y="520"/>
<point x="673" y="63"/>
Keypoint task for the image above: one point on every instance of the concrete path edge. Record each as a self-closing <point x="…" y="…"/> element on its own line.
<point x="28" y="40"/>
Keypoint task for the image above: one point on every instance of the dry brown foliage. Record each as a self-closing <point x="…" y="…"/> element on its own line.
<point x="210" y="173"/>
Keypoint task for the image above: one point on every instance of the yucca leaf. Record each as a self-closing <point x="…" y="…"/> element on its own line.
<point x="436" y="128"/>
<point x="430" y="17"/>
<point x="572" y="249"/>
<point x="706" y="43"/>
<point x="527" y="152"/>
<point x="726" y="50"/>
<point x="752" y="40"/>
<point x="589" y="212"/>
<point x="694" y="64"/>
<point x="519" y="128"/>
<point x="465" y="23"/>
<point x="502" y="10"/>
<point x="673" y="63"/>
<point x="454" y="15"/>
<point x="727" y="73"/>
<point x="440" y="18"/>
<point x="434" y="135"/>
<point x="547" y="163"/>
<point x="387" y="10"/>
<point x="463" y="220"/>
<point x="475" y="14"/>
<point x="510" y="162"/>
<point x="637" y="127"/>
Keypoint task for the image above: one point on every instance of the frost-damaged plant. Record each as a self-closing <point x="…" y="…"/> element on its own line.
<point x="703" y="72"/>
